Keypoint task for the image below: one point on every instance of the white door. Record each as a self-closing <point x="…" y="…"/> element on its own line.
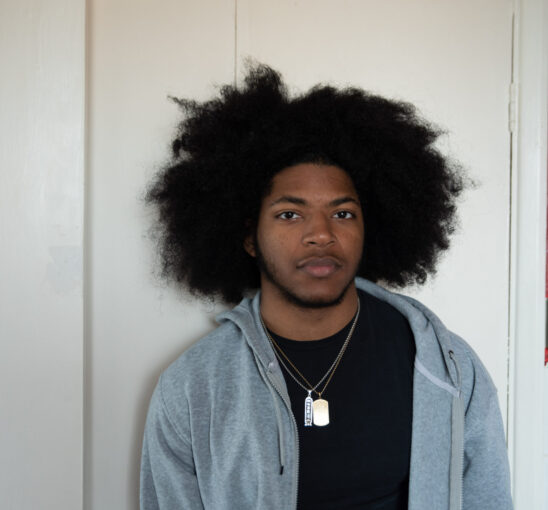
<point x="452" y="59"/>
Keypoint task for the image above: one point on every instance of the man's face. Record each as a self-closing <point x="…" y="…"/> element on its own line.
<point x="309" y="237"/>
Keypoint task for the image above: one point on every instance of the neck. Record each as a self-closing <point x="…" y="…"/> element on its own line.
<point x="295" y="322"/>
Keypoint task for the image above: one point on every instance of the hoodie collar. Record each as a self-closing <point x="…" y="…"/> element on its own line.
<point x="432" y="338"/>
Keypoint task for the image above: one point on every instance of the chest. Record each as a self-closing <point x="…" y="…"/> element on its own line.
<point x="363" y="454"/>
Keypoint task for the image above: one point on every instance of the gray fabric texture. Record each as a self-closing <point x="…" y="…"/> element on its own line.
<point x="220" y="433"/>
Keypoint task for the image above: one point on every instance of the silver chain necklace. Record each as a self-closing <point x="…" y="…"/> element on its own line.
<point x="315" y="411"/>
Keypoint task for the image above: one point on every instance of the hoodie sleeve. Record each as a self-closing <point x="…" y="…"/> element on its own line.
<point x="168" y="477"/>
<point x="486" y="482"/>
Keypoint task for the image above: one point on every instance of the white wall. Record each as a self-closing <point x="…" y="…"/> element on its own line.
<point x="452" y="59"/>
<point x="139" y="54"/>
<point x="41" y="201"/>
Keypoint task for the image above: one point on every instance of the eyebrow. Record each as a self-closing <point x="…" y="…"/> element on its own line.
<point x="301" y="201"/>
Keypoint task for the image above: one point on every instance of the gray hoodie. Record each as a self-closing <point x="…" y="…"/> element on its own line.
<point x="220" y="433"/>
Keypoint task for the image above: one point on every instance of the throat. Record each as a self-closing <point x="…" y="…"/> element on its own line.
<point x="298" y="323"/>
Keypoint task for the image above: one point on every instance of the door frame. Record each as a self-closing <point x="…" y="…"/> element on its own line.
<point x="528" y="124"/>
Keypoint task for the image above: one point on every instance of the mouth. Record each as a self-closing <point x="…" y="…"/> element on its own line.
<point x="319" y="267"/>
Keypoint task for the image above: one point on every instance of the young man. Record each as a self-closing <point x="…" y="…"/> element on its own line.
<point x="323" y="390"/>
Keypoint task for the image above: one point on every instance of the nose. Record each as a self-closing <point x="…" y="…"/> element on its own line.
<point x="318" y="231"/>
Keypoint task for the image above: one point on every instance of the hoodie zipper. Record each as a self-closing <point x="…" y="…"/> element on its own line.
<point x="452" y="356"/>
<point x="297" y="447"/>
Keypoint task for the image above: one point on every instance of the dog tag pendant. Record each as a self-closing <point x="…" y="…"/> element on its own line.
<point x="320" y="412"/>
<point x="308" y="410"/>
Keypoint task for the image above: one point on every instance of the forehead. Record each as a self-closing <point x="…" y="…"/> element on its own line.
<point x="309" y="179"/>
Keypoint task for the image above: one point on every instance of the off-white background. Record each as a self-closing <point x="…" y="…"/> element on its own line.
<point x="453" y="60"/>
<point x="42" y="62"/>
<point x="139" y="54"/>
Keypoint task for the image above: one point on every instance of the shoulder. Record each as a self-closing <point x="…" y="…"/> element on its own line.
<point x="204" y="361"/>
<point x="468" y="361"/>
<point x="195" y="377"/>
<point x="439" y="350"/>
<point x="471" y="377"/>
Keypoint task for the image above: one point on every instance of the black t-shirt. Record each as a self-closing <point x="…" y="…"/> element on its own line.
<point x="360" y="460"/>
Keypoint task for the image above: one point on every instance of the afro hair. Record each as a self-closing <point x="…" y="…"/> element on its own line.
<point x="228" y="149"/>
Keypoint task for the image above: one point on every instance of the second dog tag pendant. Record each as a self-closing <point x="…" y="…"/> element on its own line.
<point x="320" y="412"/>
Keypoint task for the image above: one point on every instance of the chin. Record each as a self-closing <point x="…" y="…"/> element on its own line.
<point x="316" y="299"/>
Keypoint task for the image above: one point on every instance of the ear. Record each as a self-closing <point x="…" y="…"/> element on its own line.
<point x="249" y="245"/>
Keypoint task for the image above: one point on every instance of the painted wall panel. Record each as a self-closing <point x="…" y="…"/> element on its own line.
<point x="41" y="221"/>
<point x="139" y="53"/>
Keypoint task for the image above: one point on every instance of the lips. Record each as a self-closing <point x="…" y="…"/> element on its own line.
<point x="319" y="267"/>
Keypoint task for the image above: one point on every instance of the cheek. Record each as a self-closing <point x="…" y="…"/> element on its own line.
<point x="355" y="244"/>
<point x="278" y="247"/>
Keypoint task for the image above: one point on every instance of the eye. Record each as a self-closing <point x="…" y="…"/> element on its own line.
<point x="344" y="215"/>
<point x="288" y="215"/>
